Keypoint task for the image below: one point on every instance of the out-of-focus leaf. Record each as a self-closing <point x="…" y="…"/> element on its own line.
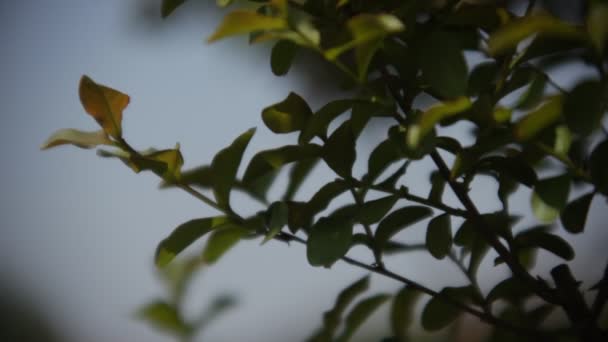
<point x="437" y="314"/>
<point x="328" y="241"/>
<point x="365" y="28"/>
<point x="443" y="65"/>
<point x="223" y="3"/>
<point x="222" y="239"/>
<point x="321" y="199"/>
<point x="364" y="53"/>
<point x="339" y="151"/>
<point x="317" y="125"/>
<point x="538" y="119"/>
<point x="164" y="316"/>
<point x="277" y="218"/>
<point x="511" y="289"/>
<point x="439" y="236"/>
<point x="104" y="104"/>
<point x="583" y="107"/>
<point x="171" y="159"/>
<point x="225" y="165"/>
<point x="267" y="161"/>
<point x="281" y="58"/>
<point x="242" y="22"/>
<point x="510" y="35"/>
<point x="77" y="138"/>
<point x="168" y="6"/>
<point x="183" y="236"/>
<point x="437" y="187"/>
<point x="297" y="175"/>
<point x="417" y="132"/>
<point x="381" y="157"/>
<point x="402" y="311"/>
<point x="482" y="78"/>
<point x="538" y="238"/>
<point x="287" y="116"/>
<point x="563" y="140"/>
<point x="399" y="219"/>
<point x="598" y="166"/>
<point x="550" y="197"/>
<point x="332" y="318"/>
<point x="534" y="94"/>
<point x="360" y="312"/>
<point x="597" y="25"/>
<point x="373" y="211"/>
<point x="390" y="181"/>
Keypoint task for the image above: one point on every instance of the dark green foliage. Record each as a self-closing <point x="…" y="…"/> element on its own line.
<point x="404" y="62"/>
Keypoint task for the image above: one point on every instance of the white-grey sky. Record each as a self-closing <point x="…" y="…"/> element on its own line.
<point x="79" y="232"/>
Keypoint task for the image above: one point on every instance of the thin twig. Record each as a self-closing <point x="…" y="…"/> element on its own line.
<point x="368" y="231"/>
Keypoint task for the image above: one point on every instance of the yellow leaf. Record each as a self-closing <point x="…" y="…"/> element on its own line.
<point x="539" y="119"/>
<point x="76" y="138"/>
<point x="241" y="22"/>
<point x="104" y="104"/>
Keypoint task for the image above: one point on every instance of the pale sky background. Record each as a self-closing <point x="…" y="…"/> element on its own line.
<point x="79" y="232"/>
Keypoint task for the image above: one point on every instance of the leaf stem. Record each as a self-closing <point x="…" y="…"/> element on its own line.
<point x="368" y="231"/>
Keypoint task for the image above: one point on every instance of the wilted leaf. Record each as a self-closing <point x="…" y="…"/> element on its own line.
<point x="76" y="138"/>
<point x="550" y="197"/>
<point x="328" y="241"/>
<point x="359" y="314"/>
<point x="183" y="236"/>
<point x="399" y="219"/>
<point x="225" y="165"/>
<point x="283" y="53"/>
<point x="241" y="22"/>
<point x="222" y="239"/>
<point x="339" y="151"/>
<point x="104" y="104"/>
<point x="287" y="116"/>
<point x="402" y="311"/>
<point x="439" y="236"/>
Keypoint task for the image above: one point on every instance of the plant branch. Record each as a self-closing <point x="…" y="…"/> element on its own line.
<point x="472" y="280"/>
<point x="368" y="231"/>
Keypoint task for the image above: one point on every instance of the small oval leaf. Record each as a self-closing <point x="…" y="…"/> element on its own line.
<point x="439" y="236"/>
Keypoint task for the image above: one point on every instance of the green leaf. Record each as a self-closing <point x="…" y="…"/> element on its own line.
<point x="164" y="316"/>
<point x="482" y="78"/>
<point x="539" y="119"/>
<point x="443" y="65"/>
<point x="583" y="107"/>
<point x="550" y="197"/>
<point x="417" y="132"/>
<point x="298" y="173"/>
<point x="381" y="157"/>
<point x="242" y="22"/>
<point x="365" y="28"/>
<point x="321" y="199"/>
<point x="77" y="138"/>
<point x="510" y="35"/>
<point x="318" y="123"/>
<point x="399" y="219"/>
<point x="373" y="211"/>
<point x="541" y="239"/>
<point x="281" y="58"/>
<point x="597" y="25"/>
<point x="222" y="239"/>
<point x="223" y="3"/>
<point x="437" y="187"/>
<point x="598" y="166"/>
<point x="563" y="140"/>
<point x="287" y="116"/>
<point x="439" y="236"/>
<point x="332" y="318"/>
<point x="268" y="161"/>
<point x="225" y="165"/>
<point x="277" y="218"/>
<point x="328" y="241"/>
<point x="437" y="314"/>
<point x="390" y="181"/>
<point x="170" y="159"/>
<point x="534" y="94"/>
<point x="339" y="151"/>
<point x="574" y="216"/>
<point x="104" y="104"/>
<point x="402" y="311"/>
<point x="360" y="313"/>
<point x="183" y="236"/>
<point x="511" y="289"/>
<point x="168" y="6"/>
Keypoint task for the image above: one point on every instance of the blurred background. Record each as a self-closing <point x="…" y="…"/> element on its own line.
<point x="79" y="232"/>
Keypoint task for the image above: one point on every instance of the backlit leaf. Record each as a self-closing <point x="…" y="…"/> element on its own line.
<point x="360" y="312"/>
<point x="287" y="116"/>
<point x="538" y="119"/>
<point x="77" y="138"/>
<point x="222" y="240"/>
<point x="183" y="236"/>
<point x="104" y="104"/>
<point x="328" y="241"/>
<point x="225" y="165"/>
<point x="550" y="197"/>
<point x="398" y="220"/>
<point x="242" y="22"/>
<point x="439" y="236"/>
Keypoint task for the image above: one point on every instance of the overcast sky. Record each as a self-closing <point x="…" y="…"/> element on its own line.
<point x="79" y="232"/>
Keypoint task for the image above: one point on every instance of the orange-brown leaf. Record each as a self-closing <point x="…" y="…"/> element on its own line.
<point x="104" y="104"/>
